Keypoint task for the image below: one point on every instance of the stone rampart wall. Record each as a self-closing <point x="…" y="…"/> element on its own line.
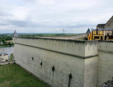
<point x="61" y="63"/>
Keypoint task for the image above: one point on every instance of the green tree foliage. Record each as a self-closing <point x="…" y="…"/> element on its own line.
<point x="6" y="40"/>
<point x="11" y="57"/>
<point x="5" y="37"/>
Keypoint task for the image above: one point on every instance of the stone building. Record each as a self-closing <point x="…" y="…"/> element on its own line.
<point x="108" y="25"/>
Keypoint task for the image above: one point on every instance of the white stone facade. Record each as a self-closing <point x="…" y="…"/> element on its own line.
<point x="66" y="63"/>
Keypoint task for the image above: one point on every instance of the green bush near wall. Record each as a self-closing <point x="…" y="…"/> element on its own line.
<point x="11" y="58"/>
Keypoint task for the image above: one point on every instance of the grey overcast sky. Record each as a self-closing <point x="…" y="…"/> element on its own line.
<point x="51" y="16"/>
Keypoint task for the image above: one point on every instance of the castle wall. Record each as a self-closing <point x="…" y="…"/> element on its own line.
<point x="91" y="72"/>
<point x="78" y="58"/>
<point x="105" y="62"/>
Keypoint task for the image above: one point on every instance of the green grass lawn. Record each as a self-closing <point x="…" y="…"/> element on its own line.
<point x="12" y="75"/>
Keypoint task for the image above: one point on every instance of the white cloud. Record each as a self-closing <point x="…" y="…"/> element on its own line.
<point x="45" y="2"/>
<point x="53" y="15"/>
<point x="20" y="13"/>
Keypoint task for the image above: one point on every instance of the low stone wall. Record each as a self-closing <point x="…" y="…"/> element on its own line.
<point x="61" y="63"/>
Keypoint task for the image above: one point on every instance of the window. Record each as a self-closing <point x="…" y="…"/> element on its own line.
<point x="41" y="63"/>
<point x="70" y="78"/>
<point x="32" y="58"/>
<point x="53" y="68"/>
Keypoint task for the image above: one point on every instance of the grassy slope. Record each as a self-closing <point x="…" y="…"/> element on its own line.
<point x="14" y="76"/>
